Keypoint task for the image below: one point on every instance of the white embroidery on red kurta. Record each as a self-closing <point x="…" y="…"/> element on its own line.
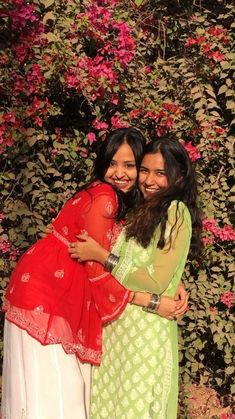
<point x="25" y="277"/>
<point x="59" y="273"/>
<point x="65" y="230"/>
<point x="109" y="234"/>
<point x="30" y="251"/>
<point x="109" y="207"/>
<point x="76" y="201"/>
<point x="12" y="289"/>
<point x="80" y="335"/>
<point x="112" y="298"/>
<point x="38" y="309"/>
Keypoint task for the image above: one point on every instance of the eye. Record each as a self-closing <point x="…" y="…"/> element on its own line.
<point x="130" y="165"/>
<point x="143" y="170"/>
<point x="112" y="164"/>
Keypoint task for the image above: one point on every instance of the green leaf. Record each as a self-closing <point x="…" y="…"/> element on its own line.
<point x="222" y="89"/>
<point x="47" y="3"/>
<point x="48" y="16"/>
<point x="138" y="2"/>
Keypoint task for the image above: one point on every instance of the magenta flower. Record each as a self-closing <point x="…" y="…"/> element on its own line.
<point x="118" y="123"/>
<point x="99" y="124"/>
<point x="228" y="298"/>
<point x="193" y="152"/>
<point x="91" y="138"/>
<point x="5" y="245"/>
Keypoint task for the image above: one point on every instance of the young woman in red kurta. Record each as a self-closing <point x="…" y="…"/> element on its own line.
<point x="60" y="302"/>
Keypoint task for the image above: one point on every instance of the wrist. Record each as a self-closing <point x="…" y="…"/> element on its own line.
<point x="102" y="255"/>
<point x="110" y="262"/>
<point x="153" y="304"/>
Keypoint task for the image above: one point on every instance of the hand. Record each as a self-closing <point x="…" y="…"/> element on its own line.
<point x="87" y="249"/>
<point x="181" y="297"/>
<point x="48" y="230"/>
<point x="167" y="308"/>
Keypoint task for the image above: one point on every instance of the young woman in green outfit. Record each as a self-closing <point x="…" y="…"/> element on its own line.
<point x="138" y="376"/>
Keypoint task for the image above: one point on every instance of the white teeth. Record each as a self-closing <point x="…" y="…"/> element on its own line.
<point x="150" y="190"/>
<point x="121" y="182"/>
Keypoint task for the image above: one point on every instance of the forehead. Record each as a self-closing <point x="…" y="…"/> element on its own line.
<point x="124" y="153"/>
<point x="153" y="161"/>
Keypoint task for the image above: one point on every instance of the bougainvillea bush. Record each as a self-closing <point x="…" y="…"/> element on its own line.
<point x="71" y="71"/>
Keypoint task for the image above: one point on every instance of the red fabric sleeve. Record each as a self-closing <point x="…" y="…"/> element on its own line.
<point x="98" y="219"/>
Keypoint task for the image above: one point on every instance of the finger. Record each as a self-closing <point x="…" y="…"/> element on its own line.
<point x="82" y="236"/>
<point x="179" y="313"/>
<point x="182" y="305"/>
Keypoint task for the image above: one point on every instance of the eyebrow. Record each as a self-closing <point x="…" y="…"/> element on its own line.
<point x="126" y="161"/>
<point x="156" y="170"/>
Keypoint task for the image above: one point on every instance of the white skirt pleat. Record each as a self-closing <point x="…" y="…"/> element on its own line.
<point x="41" y="382"/>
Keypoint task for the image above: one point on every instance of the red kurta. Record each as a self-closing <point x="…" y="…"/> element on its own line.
<point x="57" y="299"/>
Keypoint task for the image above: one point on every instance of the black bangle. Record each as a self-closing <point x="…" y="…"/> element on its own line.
<point x="153" y="304"/>
<point x="111" y="262"/>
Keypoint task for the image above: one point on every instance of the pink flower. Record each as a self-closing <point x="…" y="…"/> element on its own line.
<point x="228" y="298"/>
<point x="21" y="52"/>
<point x="190" y="42"/>
<point x="91" y="137"/>
<point x="215" y="31"/>
<point x="5" y="245"/>
<point x="9" y="117"/>
<point x="206" y="241"/>
<point x="227" y="233"/>
<point x="193" y="18"/>
<point x="99" y="124"/>
<point x="219" y="130"/>
<point x="54" y="152"/>
<point x="213" y="147"/>
<point x="14" y="254"/>
<point x="193" y="152"/>
<point x="135" y="113"/>
<point x="114" y="100"/>
<point x="147" y="69"/>
<point x="71" y="78"/>
<point x="38" y="121"/>
<point x="2" y="216"/>
<point x="217" y="56"/>
<point x="118" y="123"/>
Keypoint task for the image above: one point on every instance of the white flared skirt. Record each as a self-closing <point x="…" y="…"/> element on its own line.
<point x="42" y="382"/>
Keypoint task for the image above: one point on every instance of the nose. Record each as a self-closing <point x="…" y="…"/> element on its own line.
<point x="149" y="179"/>
<point x="119" y="171"/>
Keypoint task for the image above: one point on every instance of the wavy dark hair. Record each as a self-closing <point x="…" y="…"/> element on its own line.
<point x="182" y="186"/>
<point x="105" y="152"/>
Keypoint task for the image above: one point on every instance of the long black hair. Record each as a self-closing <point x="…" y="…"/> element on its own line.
<point x="182" y="186"/>
<point x="105" y="152"/>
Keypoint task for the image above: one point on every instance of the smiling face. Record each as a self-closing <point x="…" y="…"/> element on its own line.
<point x="152" y="176"/>
<point x="122" y="171"/>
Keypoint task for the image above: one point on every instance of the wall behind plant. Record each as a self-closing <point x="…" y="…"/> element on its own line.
<point x="72" y="70"/>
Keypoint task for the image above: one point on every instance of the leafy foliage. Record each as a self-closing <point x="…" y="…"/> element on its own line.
<point x="72" y="70"/>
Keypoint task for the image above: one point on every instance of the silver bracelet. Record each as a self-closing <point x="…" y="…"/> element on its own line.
<point x="111" y="262"/>
<point x="153" y="304"/>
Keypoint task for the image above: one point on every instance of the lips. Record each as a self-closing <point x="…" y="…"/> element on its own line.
<point x="149" y="191"/>
<point x="121" y="184"/>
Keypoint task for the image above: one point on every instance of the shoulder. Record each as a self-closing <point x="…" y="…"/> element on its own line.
<point x="179" y="211"/>
<point x="98" y="189"/>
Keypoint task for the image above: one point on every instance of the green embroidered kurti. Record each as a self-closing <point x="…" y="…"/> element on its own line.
<point x="138" y="376"/>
